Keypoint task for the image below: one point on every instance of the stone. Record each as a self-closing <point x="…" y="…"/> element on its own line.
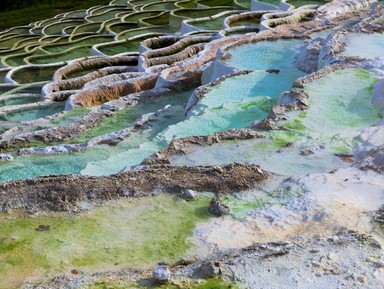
<point x="308" y="58"/>
<point x="307" y="152"/>
<point x="43" y="228"/>
<point x="190" y="194"/>
<point x="208" y="270"/>
<point x="5" y="158"/>
<point x="217" y="208"/>
<point x="161" y="274"/>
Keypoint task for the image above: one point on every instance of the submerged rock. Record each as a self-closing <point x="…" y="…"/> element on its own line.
<point x="217" y="207"/>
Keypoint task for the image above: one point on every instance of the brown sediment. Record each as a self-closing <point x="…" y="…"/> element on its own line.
<point x="57" y="89"/>
<point x="290" y="17"/>
<point x="181" y="49"/>
<point x="64" y="192"/>
<point x="183" y="145"/>
<point x="104" y="93"/>
<point x="94" y="63"/>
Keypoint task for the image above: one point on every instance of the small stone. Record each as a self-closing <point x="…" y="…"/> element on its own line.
<point x="362" y="279"/>
<point x="275" y="71"/>
<point x="335" y="271"/>
<point x="218" y="169"/>
<point x="231" y="262"/>
<point x="42" y="228"/>
<point x="331" y="256"/>
<point x="191" y="194"/>
<point x="161" y="274"/>
<point x="307" y="152"/>
<point x="217" y="208"/>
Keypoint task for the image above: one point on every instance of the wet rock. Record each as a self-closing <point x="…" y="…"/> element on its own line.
<point x="190" y="194"/>
<point x="161" y="274"/>
<point x="217" y="208"/>
<point x="5" y="158"/>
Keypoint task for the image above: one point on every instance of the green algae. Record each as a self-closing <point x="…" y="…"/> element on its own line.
<point x="298" y="3"/>
<point x="125" y="117"/>
<point x="240" y="205"/>
<point x="212" y="283"/>
<point x="284" y="138"/>
<point x="341" y="149"/>
<point x="138" y="232"/>
<point x="263" y="104"/>
<point x="70" y="116"/>
<point x="296" y="125"/>
<point x="119" y="120"/>
<point x="70" y="54"/>
<point x="212" y="24"/>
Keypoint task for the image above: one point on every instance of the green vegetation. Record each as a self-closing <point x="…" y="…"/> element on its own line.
<point x="14" y="13"/>
<point x="283" y="138"/>
<point x="212" y="283"/>
<point x="120" y="120"/>
<point x="240" y="206"/>
<point x="296" y="125"/>
<point x="138" y="232"/>
<point x="341" y="149"/>
<point x="298" y="3"/>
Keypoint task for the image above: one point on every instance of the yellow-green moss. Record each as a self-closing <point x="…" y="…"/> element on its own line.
<point x="139" y="232"/>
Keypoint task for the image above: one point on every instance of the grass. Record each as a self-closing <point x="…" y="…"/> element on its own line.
<point x="42" y="9"/>
<point x="298" y="3"/>
<point x="139" y="232"/>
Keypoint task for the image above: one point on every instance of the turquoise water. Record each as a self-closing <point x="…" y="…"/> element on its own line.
<point x="102" y="159"/>
<point x="239" y="101"/>
<point x="340" y="103"/>
<point x="31" y="113"/>
<point x="111" y="159"/>
<point x="339" y="106"/>
<point x="236" y="103"/>
<point x="364" y="45"/>
<point x="265" y="55"/>
<point x="19" y="99"/>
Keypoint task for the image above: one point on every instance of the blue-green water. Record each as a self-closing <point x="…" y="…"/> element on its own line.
<point x="265" y="55"/>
